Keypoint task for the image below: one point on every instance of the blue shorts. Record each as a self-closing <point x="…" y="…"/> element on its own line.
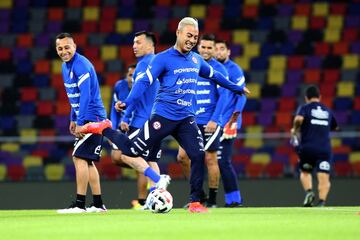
<point x="211" y="140"/>
<point x="309" y="160"/>
<point x="185" y="131"/>
<point x="155" y="152"/>
<point x="89" y="147"/>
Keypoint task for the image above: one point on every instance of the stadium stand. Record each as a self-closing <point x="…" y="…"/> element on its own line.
<point x="282" y="46"/>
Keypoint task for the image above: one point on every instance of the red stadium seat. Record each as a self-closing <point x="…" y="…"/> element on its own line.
<point x="28" y="94"/>
<point x="45" y="108"/>
<point x="47" y="132"/>
<point x="317" y="22"/>
<point x="254" y="170"/>
<point x="342" y="169"/>
<point x="212" y="25"/>
<point x="350" y="34"/>
<point x="92" y="3"/>
<point x="106" y="26"/>
<point x="248" y="119"/>
<point x="338" y="9"/>
<point x="5" y="53"/>
<point x="25" y="40"/>
<point x="250" y="11"/>
<point x="312" y="76"/>
<point x="16" y="172"/>
<point x="99" y="65"/>
<point x="215" y="11"/>
<point x="341" y="149"/>
<point x="109" y="171"/>
<point x="331" y="76"/>
<point x="295" y="62"/>
<point x="74" y="3"/>
<point x="108" y="13"/>
<point x="163" y="2"/>
<point x="92" y="52"/>
<point x="241" y="158"/>
<point x="55" y="14"/>
<point x="274" y="169"/>
<point x="175" y="171"/>
<point x="340" y="48"/>
<point x="80" y="39"/>
<point x="111" y="78"/>
<point x="57" y="82"/>
<point x="89" y="26"/>
<point x="284" y="120"/>
<point x="62" y="108"/>
<point x="357" y="103"/>
<point x="303" y="9"/>
<point x="287" y="104"/>
<point x="322" y="49"/>
<point x="328" y="89"/>
<point x="182" y="2"/>
<point x="356" y="168"/>
<point x="42" y="67"/>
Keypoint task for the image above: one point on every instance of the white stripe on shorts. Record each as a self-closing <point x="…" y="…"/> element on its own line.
<point x="212" y="138"/>
<point x="146" y="131"/>
<point x="132" y="135"/>
<point x="81" y="141"/>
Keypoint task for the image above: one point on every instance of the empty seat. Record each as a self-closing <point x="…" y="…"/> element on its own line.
<point x="124" y="26"/>
<point x="54" y="172"/>
<point x="345" y="89"/>
<point x="3" y="171"/>
<point x="254" y="170"/>
<point x="197" y="11"/>
<point x="15" y="173"/>
<point x="175" y="171"/>
<point x="274" y="170"/>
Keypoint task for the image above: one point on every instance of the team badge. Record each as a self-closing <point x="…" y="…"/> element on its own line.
<point x="194" y="59"/>
<point x="157" y="125"/>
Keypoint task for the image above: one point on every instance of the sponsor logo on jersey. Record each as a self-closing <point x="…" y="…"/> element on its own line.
<point x="324" y="165"/>
<point x="157" y="125"/>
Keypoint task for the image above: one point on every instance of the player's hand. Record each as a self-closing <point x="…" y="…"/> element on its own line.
<point x="124" y="126"/>
<point x="72" y="127"/>
<point x="234" y="117"/>
<point x="246" y="91"/>
<point x="78" y="133"/>
<point x="120" y="106"/>
<point x="210" y="127"/>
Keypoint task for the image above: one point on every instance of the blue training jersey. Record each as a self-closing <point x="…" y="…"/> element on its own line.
<point x="138" y="112"/>
<point x="177" y="74"/>
<point x="210" y="97"/>
<point x="83" y="91"/>
<point x="315" y="129"/>
<point x="234" y="103"/>
<point x="120" y="92"/>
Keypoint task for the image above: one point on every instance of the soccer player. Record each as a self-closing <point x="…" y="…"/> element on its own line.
<point x="139" y="111"/>
<point x="177" y="70"/>
<point x="82" y="88"/>
<point x="209" y="106"/>
<point x="231" y="119"/>
<point x="313" y="123"/>
<point x="121" y="90"/>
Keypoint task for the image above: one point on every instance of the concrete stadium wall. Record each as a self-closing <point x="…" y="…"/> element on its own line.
<point x="118" y="194"/>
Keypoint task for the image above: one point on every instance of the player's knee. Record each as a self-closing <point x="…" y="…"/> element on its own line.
<point x="116" y="157"/>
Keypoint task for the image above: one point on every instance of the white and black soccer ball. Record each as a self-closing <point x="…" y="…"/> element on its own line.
<point x="159" y="201"/>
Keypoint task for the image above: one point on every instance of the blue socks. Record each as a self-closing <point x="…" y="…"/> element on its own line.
<point x="233" y="197"/>
<point x="150" y="173"/>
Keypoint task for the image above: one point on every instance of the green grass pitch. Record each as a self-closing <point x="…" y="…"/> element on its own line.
<point x="328" y="223"/>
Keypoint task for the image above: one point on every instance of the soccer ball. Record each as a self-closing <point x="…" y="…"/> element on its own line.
<point x="159" y="201"/>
